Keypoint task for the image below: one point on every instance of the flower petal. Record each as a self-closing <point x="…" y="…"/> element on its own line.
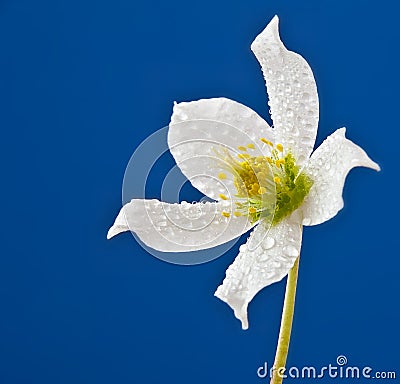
<point x="179" y="227"/>
<point x="200" y="127"/>
<point x="292" y="91"/>
<point x="328" y="167"/>
<point x="266" y="258"/>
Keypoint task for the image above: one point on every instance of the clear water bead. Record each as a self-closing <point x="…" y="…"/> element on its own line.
<point x="290" y="250"/>
<point x="268" y="243"/>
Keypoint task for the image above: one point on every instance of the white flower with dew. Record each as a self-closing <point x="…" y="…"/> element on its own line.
<point x="261" y="177"/>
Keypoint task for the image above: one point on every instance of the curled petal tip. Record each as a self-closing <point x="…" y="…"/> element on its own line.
<point x="375" y="166"/>
<point x="120" y="225"/>
<point x="110" y="233"/>
<point x="370" y="163"/>
<point x="271" y="31"/>
<point x="245" y="324"/>
<point x="275" y="20"/>
<point x="274" y="23"/>
<point x="113" y="231"/>
<point x="238" y="305"/>
<point x="367" y="162"/>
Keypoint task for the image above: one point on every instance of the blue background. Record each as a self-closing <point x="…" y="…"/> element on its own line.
<point x="82" y="84"/>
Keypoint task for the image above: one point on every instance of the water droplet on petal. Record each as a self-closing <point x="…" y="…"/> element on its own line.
<point x="291" y="251"/>
<point x="268" y="243"/>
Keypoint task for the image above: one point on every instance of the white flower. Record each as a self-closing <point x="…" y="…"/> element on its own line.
<point x="305" y="188"/>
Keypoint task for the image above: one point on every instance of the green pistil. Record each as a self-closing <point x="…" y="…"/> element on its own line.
<point x="269" y="188"/>
<point x="292" y="190"/>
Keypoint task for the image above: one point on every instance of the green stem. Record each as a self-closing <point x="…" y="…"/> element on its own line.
<point x="286" y="325"/>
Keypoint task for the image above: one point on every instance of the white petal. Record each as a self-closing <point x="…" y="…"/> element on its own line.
<point x="265" y="259"/>
<point x="179" y="227"/>
<point x="328" y="167"/>
<point x="199" y="127"/>
<point x="293" y="97"/>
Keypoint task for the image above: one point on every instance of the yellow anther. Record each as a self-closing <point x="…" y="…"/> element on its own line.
<point x="262" y="190"/>
<point x="265" y="141"/>
<point x="251" y="174"/>
<point x="222" y="176"/>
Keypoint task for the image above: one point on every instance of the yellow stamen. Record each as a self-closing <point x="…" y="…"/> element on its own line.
<point x="255" y="188"/>
<point x="222" y="176"/>
<point x="250" y="173"/>
<point x="259" y="180"/>
<point x="262" y="190"/>
<point x="265" y="141"/>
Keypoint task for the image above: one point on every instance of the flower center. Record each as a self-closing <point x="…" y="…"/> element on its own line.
<point x="268" y="187"/>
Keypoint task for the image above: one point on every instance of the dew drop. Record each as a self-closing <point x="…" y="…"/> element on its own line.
<point x="290" y="251"/>
<point x="269" y="242"/>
